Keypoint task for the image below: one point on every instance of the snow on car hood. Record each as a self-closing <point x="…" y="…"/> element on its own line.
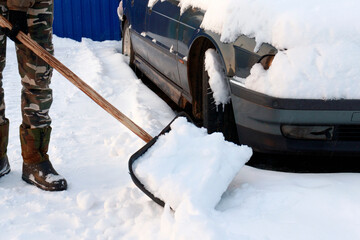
<point x="319" y="43"/>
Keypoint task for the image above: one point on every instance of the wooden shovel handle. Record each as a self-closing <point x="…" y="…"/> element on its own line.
<point x="68" y="74"/>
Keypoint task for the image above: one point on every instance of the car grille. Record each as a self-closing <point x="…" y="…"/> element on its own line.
<point x="347" y="133"/>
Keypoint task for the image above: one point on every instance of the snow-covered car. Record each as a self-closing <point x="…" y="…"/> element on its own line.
<point x="171" y="43"/>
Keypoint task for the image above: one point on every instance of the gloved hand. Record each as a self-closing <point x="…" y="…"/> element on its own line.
<point x="19" y="21"/>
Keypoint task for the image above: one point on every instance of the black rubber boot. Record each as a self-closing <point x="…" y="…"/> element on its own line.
<point x="4" y="162"/>
<point x="37" y="169"/>
<point x="4" y="166"/>
<point x="44" y="176"/>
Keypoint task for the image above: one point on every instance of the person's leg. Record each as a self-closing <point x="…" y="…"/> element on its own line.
<point x="36" y="99"/>
<point x="36" y="95"/>
<point x="4" y="123"/>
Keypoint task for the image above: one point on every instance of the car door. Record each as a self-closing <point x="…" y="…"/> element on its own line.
<point x="189" y="26"/>
<point x="162" y="24"/>
<point x="138" y="26"/>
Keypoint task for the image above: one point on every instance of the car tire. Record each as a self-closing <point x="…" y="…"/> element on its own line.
<point x="127" y="48"/>
<point x="216" y="118"/>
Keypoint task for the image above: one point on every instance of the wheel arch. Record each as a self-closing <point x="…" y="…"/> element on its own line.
<point x="195" y="62"/>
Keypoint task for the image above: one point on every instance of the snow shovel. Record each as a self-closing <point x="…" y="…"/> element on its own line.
<point x="97" y="98"/>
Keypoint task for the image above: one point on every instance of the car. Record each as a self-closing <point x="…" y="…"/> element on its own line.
<point x="169" y="46"/>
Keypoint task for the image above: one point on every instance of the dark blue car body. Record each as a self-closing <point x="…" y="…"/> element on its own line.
<point x="169" y="47"/>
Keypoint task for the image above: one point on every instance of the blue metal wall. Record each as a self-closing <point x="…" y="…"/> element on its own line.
<point x="95" y="19"/>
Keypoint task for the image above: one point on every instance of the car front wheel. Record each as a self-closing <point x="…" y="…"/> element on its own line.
<point x="216" y="118"/>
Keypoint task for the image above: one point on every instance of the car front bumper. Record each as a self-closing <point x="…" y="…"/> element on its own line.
<point x="262" y="120"/>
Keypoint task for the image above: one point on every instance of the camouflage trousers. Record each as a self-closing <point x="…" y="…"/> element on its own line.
<point x="36" y="95"/>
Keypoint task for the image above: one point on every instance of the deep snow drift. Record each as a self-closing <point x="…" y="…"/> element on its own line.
<point x="91" y="150"/>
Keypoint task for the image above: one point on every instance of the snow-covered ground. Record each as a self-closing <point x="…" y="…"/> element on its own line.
<point x="91" y="149"/>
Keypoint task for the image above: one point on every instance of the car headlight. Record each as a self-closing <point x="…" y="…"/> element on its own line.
<point x="308" y="132"/>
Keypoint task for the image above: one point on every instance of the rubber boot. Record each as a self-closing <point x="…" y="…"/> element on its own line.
<point x="4" y="136"/>
<point x="37" y="168"/>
